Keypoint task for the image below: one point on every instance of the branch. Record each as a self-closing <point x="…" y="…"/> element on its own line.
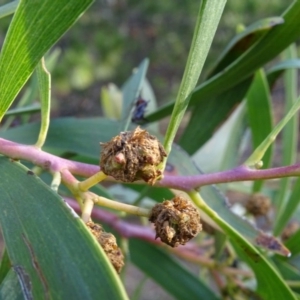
<point x="54" y="164"/>
<point x="241" y="173"/>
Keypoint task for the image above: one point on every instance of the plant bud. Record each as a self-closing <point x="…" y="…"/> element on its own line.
<point x="108" y="244"/>
<point x="176" y="221"/>
<point x="131" y="156"/>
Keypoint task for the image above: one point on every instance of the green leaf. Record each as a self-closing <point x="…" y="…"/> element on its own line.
<point x="225" y="144"/>
<point x="10" y="288"/>
<point x="207" y="115"/>
<point x="270" y="285"/>
<point x="293" y="244"/>
<point x="111" y="101"/>
<point x="263" y="269"/>
<point x="275" y="72"/>
<point x="30" y="109"/>
<point x="289" y="148"/>
<point x="259" y="152"/>
<point x="208" y="19"/>
<point x="243" y="41"/>
<point x="131" y="91"/>
<point x="35" y="27"/>
<point x="48" y="243"/>
<point x="259" y="100"/>
<point x="8" y="9"/>
<point x="5" y="265"/>
<point x="162" y="268"/>
<point x="256" y="56"/>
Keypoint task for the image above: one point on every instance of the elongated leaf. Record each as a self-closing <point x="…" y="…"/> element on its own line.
<point x="10" y="288"/>
<point x="263" y="51"/>
<point x="50" y="245"/>
<point x="260" y="117"/>
<point x="5" y="265"/>
<point x="243" y="41"/>
<point x="35" y="27"/>
<point x="289" y="148"/>
<point x="159" y="265"/>
<point x="224" y="145"/>
<point x="207" y="22"/>
<point x="293" y="244"/>
<point x="275" y="72"/>
<point x="262" y="268"/>
<point x="30" y="109"/>
<point x="131" y="91"/>
<point x="199" y="129"/>
<point x="270" y="285"/>
<point x="9" y="8"/>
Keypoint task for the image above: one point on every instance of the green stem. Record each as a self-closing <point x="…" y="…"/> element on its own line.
<point x="134" y="210"/>
<point x="56" y="181"/>
<point x="208" y="18"/>
<point x="44" y="80"/>
<point x="91" y="181"/>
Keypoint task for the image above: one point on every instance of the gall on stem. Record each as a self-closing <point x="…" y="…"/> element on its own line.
<point x="176" y="221"/>
<point x="133" y="155"/>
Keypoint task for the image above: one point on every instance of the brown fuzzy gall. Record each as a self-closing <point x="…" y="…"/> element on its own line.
<point x="258" y="205"/>
<point x="131" y="156"/>
<point x="176" y="221"/>
<point x="108" y="244"/>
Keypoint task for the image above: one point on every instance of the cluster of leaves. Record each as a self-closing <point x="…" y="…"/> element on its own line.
<point x="49" y="252"/>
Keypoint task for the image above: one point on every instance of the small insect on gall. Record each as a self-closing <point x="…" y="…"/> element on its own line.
<point x="139" y="110"/>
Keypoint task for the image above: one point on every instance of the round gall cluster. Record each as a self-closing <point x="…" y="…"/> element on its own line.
<point x="176" y="221"/>
<point x="131" y="156"/>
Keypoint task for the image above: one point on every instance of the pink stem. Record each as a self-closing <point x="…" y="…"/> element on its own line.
<point x="54" y="163"/>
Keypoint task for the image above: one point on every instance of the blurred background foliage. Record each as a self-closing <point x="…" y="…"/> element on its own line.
<point x="115" y="35"/>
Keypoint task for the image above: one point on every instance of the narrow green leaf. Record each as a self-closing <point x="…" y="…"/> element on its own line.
<point x="289" y="148"/>
<point x="131" y="91"/>
<point x="243" y="41"/>
<point x="50" y="245"/>
<point x="199" y="129"/>
<point x="5" y="265"/>
<point x="30" y="109"/>
<point x="208" y="19"/>
<point x="259" y="152"/>
<point x="275" y="72"/>
<point x="225" y="144"/>
<point x="293" y="244"/>
<point x="10" y="288"/>
<point x="160" y="266"/>
<point x="44" y="81"/>
<point x="262" y="52"/>
<point x="8" y="9"/>
<point x="27" y="99"/>
<point x="35" y="27"/>
<point x="270" y="283"/>
<point x="260" y="117"/>
<point x="111" y="101"/>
